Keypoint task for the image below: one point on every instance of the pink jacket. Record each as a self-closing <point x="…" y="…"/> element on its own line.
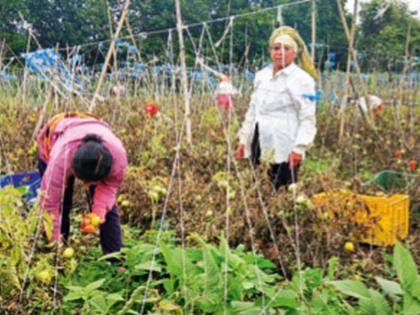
<point x="65" y="139"/>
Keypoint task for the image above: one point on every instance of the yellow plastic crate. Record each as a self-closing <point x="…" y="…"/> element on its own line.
<point x="385" y="218"/>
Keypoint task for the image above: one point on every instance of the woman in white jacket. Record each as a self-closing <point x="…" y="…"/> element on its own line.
<point x="280" y="122"/>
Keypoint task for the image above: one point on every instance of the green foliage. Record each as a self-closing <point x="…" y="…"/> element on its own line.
<point x="384" y="36"/>
<point x="10" y="29"/>
<point x="193" y="279"/>
<point x="94" y="300"/>
<point x="373" y="302"/>
<point x="76" y="22"/>
<point x="68" y="22"/>
<point x="16" y="231"/>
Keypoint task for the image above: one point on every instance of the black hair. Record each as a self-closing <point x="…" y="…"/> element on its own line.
<point x="92" y="160"/>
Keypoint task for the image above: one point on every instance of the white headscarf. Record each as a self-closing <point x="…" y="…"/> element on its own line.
<point x="286" y="40"/>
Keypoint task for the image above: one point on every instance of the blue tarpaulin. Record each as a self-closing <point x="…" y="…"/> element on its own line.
<point x="31" y="180"/>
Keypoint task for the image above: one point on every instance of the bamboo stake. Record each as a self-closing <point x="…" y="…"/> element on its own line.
<point x="108" y="56"/>
<point x="2" y="52"/>
<point x="111" y="32"/>
<point x="354" y="56"/>
<point x="401" y="83"/>
<point x="313" y="30"/>
<point x="148" y="80"/>
<point x="406" y="67"/>
<point x="184" y="81"/>
<point x="350" y="38"/>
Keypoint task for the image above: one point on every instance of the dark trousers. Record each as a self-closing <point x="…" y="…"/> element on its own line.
<point x="279" y="174"/>
<point x="110" y="230"/>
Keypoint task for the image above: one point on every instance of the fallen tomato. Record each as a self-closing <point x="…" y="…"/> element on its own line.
<point x="349" y="247"/>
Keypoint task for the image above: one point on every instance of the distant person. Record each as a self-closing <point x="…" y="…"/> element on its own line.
<point x="80" y="145"/>
<point x="224" y="93"/>
<point x="118" y="90"/>
<point x="280" y="123"/>
<point x="376" y="104"/>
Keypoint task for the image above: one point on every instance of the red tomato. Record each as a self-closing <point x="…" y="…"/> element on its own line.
<point x="397" y="153"/>
<point x="89" y="229"/>
<point x="412" y="164"/>
<point x="151" y="109"/>
<point x="86" y="222"/>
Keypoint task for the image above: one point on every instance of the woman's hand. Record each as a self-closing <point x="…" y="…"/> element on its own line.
<point x="294" y="159"/>
<point x="90" y="223"/>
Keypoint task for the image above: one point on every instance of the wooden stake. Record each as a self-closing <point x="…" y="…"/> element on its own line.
<point x="184" y="81"/>
<point x="111" y="32"/>
<point x="108" y="56"/>
<point x="313" y="30"/>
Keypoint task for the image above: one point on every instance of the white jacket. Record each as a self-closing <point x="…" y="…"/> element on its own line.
<point x="285" y="115"/>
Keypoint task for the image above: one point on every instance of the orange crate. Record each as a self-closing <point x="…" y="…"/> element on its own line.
<point x="385" y="218"/>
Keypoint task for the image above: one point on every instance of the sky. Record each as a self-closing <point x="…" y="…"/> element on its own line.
<point x="413" y="5"/>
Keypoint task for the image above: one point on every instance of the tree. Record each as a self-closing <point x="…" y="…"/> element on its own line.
<point x="68" y="23"/>
<point x="330" y="32"/>
<point x="384" y="29"/>
<point x="11" y="30"/>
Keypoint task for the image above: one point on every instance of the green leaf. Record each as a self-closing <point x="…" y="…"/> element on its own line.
<point x="286" y="298"/>
<point x="245" y="308"/>
<point x="168" y="306"/>
<point x="416" y="289"/>
<point x="94" y="285"/>
<point x="74" y="295"/>
<point x="234" y="260"/>
<point x="114" y="297"/>
<point x="173" y="259"/>
<point x="391" y="288"/>
<point x="367" y="306"/>
<point x="380" y="303"/>
<point x="353" y="288"/>
<point x="248" y="285"/>
<point x="332" y="265"/>
<point x="213" y="277"/>
<point x="111" y="255"/>
<point x="99" y="304"/>
<point x="169" y="285"/>
<point x="208" y="303"/>
<point x="148" y="266"/>
<point x="406" y="267"/>
<point x="22" y="190"/>
<point x="411" y="306"/>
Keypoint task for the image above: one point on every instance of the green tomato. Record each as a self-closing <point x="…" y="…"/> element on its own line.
<point x="292" y="188"/>
<point x="125" y="203"/>
<point x="209" y="215"/>
<point x="44" y="276"/>
<point x="68" y="253"/>
<point x="160" y="190"/>
<point x="301" y="200"/>
<point x="95" y="220"/>
<point x="72" y="265"/>
<point x="229" y="211"/>
<point x="223" y="184"/>
<point x="154" y="195"/>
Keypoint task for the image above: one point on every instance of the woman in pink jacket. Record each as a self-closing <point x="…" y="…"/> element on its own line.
<point x="79" y="145"/>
